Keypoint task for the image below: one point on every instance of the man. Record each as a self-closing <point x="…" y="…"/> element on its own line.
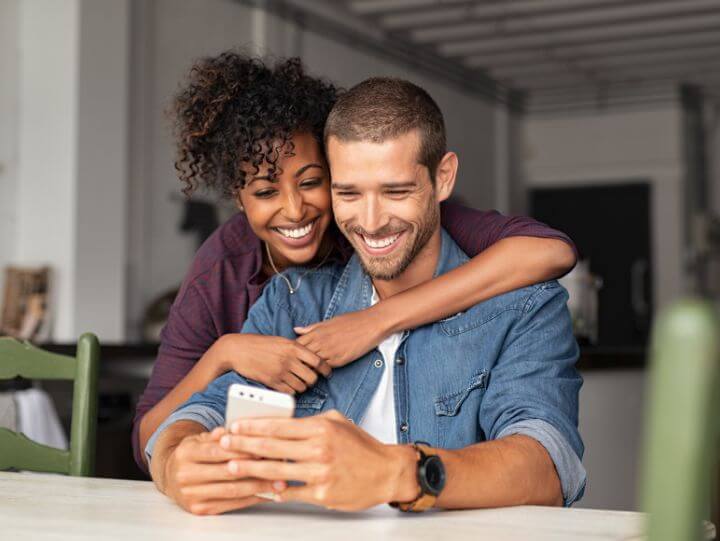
<point x="492" y="392"/>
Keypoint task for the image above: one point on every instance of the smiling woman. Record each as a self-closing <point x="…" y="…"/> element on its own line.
<point x="254" y="133"/>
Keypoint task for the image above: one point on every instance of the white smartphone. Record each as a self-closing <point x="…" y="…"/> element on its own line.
<point x="245" y="401"/>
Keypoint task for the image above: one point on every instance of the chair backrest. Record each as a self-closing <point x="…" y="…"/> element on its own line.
<point x="682" y="428"/>
<point x="27" y="361"/>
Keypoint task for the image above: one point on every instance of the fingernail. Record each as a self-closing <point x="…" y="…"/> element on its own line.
<point x="235" y="427"/>
<point x="233" y="467"/>
<point x="278" y="486"/>
<point x="225" y="442"/>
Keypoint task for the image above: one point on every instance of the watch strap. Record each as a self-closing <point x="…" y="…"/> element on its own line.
<point x="424" y="501"/>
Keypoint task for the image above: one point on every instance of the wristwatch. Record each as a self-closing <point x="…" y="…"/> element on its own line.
<point x="430" y="477"/>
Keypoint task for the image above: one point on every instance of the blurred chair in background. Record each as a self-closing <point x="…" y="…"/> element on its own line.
<point x="682" y="430"/>
<point x="26" y="361"/>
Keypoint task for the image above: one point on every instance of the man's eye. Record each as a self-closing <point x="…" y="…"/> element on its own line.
<point x="346" y="194"/>
<point x="264" y="194"/>
<point x="397" y="193"/>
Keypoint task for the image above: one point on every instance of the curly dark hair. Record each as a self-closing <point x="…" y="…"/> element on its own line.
<point x="237" y="109"/>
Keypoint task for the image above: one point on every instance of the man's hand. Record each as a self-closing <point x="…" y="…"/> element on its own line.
<point x="342" y="466"/>
<point x="197" y="477"/>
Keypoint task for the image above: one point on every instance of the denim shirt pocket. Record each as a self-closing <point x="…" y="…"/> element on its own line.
<point x="448" y="407"/>
<point x="310" y="402"/>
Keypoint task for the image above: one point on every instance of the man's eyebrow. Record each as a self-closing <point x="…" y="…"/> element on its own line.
<point x="397" y="185"/>
<point x="341" y="186"/>
<point x="385" y="185"/>
<point x="306" y="167"/>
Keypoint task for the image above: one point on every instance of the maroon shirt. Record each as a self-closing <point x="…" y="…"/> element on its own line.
<point x="225" y="279"/>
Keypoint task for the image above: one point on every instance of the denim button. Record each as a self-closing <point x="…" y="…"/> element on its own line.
<point x="404" y="427"/>
<point x="400" y="360"/>
<point x="378" y="363"/>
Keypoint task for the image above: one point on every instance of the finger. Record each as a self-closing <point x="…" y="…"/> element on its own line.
<point x="274" y="448"/>
<point x="305" y="493"/>
<point x="206" y="452"/>
<point x="295" y="382"/>
<point x="304" y="372"/>
<point x="226" y="490"/>
<point x="206" y="473"/>
<point x="306" y="329"/>
<point x="216" y="507"/>
<point x="289" y="429"/>
<point x="285" y="388"/>
<point x="276" y="470"/>
<point x="307" y="356"/>
<point x="324" y="368"/>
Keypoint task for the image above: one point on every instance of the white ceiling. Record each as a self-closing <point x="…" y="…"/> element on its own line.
<point x="561" y="54"/>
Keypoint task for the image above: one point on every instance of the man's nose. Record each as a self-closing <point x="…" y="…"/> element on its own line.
<point x="372" y="219"/>
<point x="293" y="206"/>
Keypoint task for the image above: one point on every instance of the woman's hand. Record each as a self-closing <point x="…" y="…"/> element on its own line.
<point x="347" y="337"/>
<point x="280" y="363"/>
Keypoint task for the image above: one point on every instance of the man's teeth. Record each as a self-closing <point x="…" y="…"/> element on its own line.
<point x="298" y="232"/>
<point x="381" y="243"/>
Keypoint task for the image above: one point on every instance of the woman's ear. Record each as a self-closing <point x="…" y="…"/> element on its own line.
<point x="445" y="176"/>
<point x="238" y="202"/>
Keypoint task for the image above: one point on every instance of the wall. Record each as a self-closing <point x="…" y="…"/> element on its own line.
<point x="607" y="148"/>
<point x="9" y="59"/>
<point x="167" y="36"/>
<point x="70" y="183"/>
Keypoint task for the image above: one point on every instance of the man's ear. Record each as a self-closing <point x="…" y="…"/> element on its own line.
<point x="445" y="176"/>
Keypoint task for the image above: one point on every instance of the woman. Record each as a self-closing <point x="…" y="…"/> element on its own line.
<point x="255" y="133"/>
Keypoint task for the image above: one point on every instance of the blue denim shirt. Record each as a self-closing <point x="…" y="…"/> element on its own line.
<point x="505" y="366"/>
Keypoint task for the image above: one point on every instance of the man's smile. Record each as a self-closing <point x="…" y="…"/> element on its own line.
<point x="377" y="246"/>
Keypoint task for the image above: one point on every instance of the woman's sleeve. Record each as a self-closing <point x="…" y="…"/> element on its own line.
<point x="475" y="230"/>
<point x="188" y="334"/>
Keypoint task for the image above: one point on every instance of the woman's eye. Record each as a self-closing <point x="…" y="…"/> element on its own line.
<point x="311" y="182"/>
<point x="264" y="194"/>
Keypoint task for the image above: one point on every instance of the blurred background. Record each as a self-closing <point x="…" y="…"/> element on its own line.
<point x="599" y="117"/>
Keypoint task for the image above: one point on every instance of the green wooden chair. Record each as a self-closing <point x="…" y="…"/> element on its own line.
<point x="682" y="429"/>
<point x="25" y="360"/>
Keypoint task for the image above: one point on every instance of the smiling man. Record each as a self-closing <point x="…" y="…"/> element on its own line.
<point x="476" y="410"/>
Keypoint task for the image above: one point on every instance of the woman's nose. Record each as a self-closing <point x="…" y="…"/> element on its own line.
<point x="294" y="206"/>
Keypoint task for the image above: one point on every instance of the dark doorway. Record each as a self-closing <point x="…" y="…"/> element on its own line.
<point x="611" y="226"/>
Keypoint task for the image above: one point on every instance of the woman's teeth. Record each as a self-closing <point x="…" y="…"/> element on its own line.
<point x="381" y="243"/>
<point x="296" y="233"/>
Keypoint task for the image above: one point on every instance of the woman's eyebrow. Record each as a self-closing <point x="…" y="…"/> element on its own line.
<point x="262" y="177"/>
<point x="306" y="167"/>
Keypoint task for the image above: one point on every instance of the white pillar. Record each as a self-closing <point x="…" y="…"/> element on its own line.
<point x="72" y="169"/>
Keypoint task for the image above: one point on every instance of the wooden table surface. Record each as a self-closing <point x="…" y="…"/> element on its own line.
<point x="36" y="507"/>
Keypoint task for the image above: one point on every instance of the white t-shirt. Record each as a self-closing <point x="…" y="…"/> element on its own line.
<point x="379" y="420"/>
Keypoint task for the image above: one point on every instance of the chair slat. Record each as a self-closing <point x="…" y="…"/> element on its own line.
<point x="21" y="453"/>
<point x="27" y="361"/>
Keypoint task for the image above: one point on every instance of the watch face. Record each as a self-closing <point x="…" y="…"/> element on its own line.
<point x="433" y="475"/>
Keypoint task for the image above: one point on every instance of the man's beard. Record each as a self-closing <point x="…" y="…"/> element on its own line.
<point x="392" y="266"/>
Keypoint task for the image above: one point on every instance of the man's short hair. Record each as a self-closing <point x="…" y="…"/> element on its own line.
<point x="382" y="108"/>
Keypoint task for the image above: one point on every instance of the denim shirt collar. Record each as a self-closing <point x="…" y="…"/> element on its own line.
<point x="354" y="289"/>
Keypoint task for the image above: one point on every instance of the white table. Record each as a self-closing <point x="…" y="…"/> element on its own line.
<point x="36" y="507"/>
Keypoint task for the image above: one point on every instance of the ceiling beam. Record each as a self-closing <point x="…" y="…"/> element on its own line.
<point x="628" y="31"/>
<point x="618" y="48"/>
<point x="520" y="26"/>
<point x="369" y="7"/>
<point x="700" y="54"/>
<point x="478" y="12"/>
